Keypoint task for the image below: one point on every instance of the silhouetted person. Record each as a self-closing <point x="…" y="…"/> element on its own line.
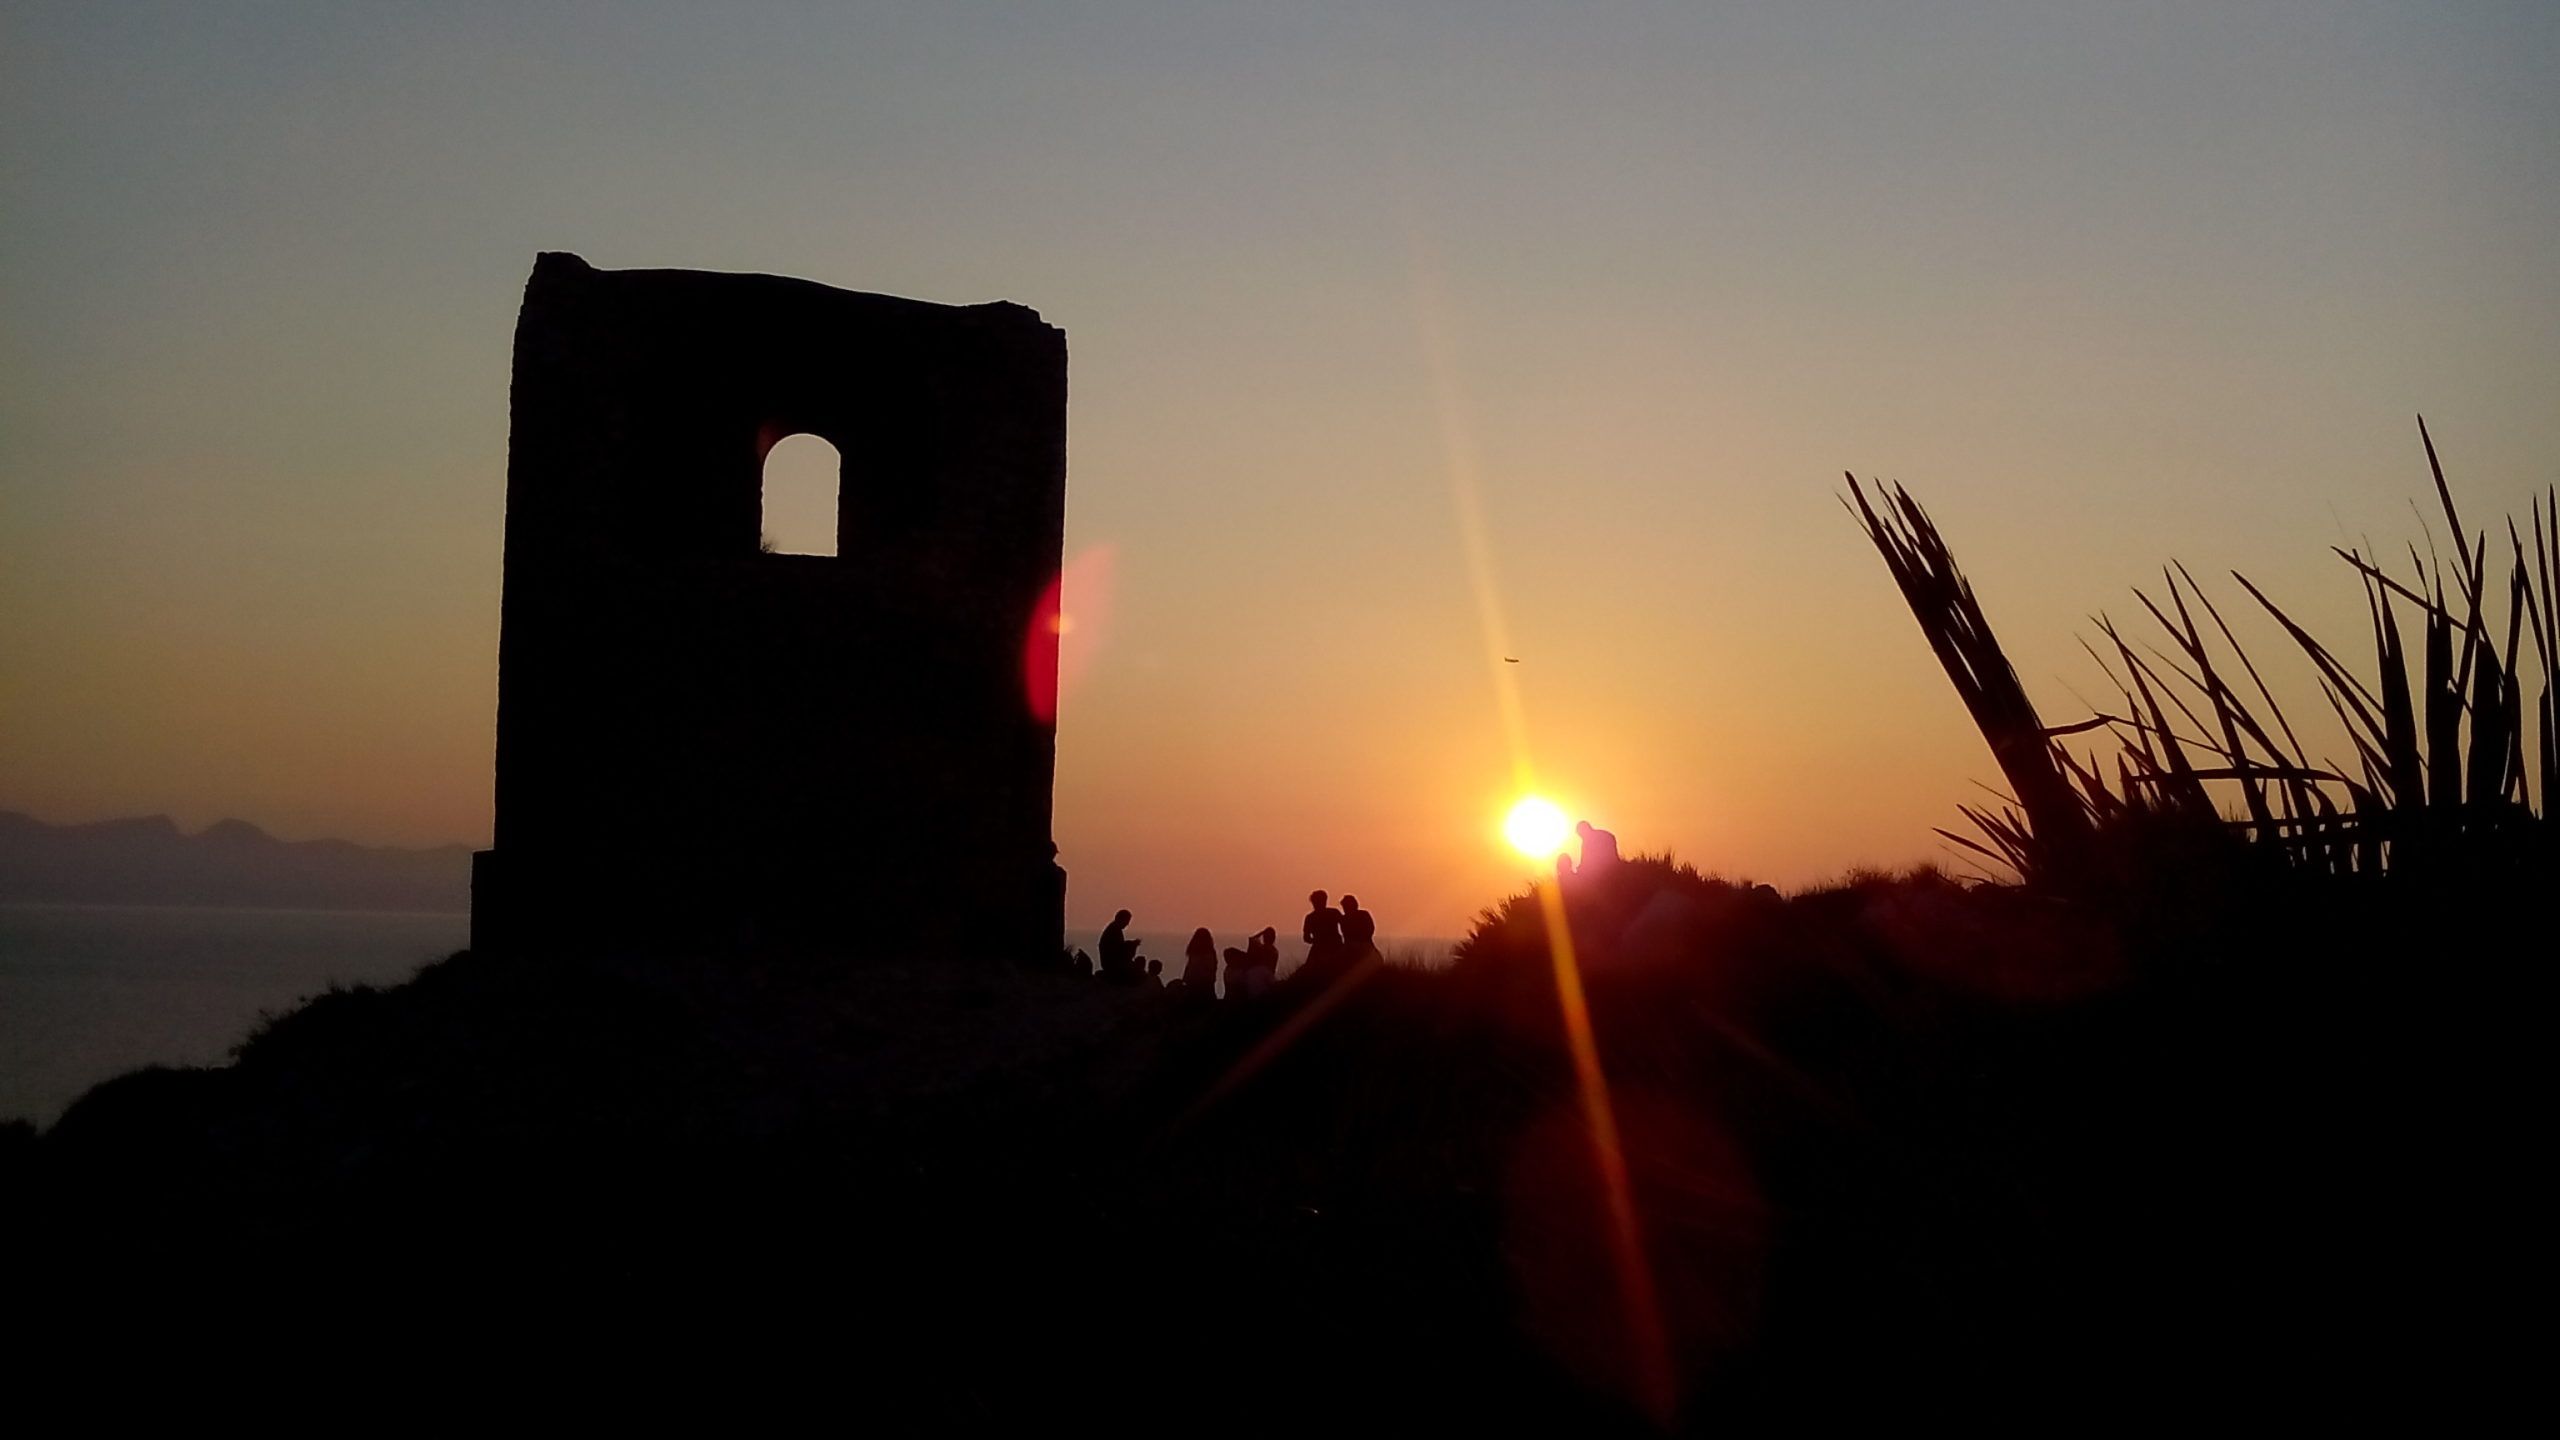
<point x="1599" y="849"/>
<point x="1250" y="970"/>
<point x="1359" y="933"/>
<point x="1322" y="930"/>
<point x="1200" y="965"/>
<point x="1266" y="963"/>
<point x="1564" y="868"/>
<point x="1119" y="952"/>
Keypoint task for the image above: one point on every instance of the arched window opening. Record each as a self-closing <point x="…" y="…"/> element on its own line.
<point x="802" y="477"/>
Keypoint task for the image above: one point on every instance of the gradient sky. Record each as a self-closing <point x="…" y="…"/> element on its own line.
<point x="2105" y="283"/>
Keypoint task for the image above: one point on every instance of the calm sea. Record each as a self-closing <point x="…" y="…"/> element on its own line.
<point x="88" y="992"/>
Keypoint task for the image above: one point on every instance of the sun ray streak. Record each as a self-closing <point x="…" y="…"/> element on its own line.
<point x="1272" y="1046"/>
<point x="1457" y="440"/>
<point x="1657" y="1385"/>
<point x="1634" y="1275"/>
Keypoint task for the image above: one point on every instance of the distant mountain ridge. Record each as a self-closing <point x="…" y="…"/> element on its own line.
<point x="147" y="860"/>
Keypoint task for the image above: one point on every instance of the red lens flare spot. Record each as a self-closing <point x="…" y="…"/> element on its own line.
<point x="1065" y="631"/>
<point x="1040" y="654"/>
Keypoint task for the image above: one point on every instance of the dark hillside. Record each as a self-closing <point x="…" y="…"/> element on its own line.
<point x="1900" y="1148"/>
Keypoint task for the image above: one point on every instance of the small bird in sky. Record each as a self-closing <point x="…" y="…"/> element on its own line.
<point x="1507" y="660"/>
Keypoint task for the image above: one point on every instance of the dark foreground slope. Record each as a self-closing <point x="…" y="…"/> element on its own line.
<point x="1898" y="1150"/>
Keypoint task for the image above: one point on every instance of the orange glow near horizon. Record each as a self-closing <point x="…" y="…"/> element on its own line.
<point x="257" y="576"/>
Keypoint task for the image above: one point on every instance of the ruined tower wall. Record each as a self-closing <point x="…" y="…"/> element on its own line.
<point x="700" y="742"/>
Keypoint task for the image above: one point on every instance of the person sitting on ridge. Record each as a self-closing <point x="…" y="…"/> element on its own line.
<point x="1359" y="933"/>
<point x="1322" y="930"/>
<point x="1200" y="965"/>
<point x="1599" y="848"/>
<point x="1261" y="963"/>
<point x="1119" y="952"/>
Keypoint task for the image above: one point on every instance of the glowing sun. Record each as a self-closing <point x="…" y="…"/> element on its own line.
<point x="1536" y="828"/>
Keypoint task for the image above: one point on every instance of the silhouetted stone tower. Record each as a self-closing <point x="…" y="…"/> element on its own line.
<point x="699" y="742"/>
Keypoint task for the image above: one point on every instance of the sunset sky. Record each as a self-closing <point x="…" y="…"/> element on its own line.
<point x="1631" y="285"/>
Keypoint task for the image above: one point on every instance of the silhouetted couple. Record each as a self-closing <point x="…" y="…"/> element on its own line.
<point x="1337" y="941"/>
<point x="1599" y="853"/>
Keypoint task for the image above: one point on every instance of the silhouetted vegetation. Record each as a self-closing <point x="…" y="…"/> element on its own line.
<point x="2441" y="775"/>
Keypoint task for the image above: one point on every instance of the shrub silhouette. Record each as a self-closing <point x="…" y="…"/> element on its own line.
<point x="2442" y="778"/>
